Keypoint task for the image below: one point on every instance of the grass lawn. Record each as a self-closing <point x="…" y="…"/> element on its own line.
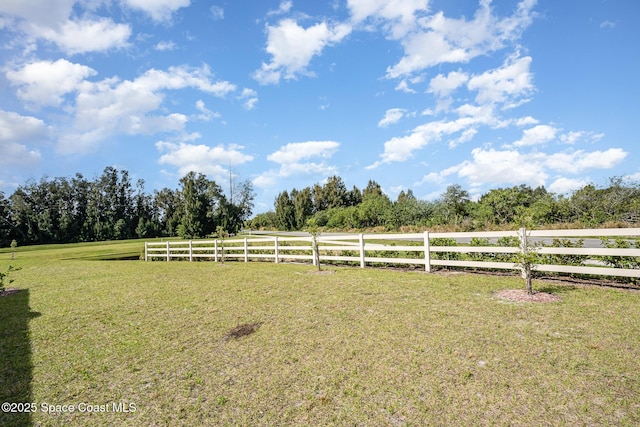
<point x="351" y="347"/>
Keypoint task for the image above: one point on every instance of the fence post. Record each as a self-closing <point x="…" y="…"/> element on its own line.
<point x="146" y="251"/>
<point x="522" y="235"/>
<point x="427" y="252"/>
<point x="246" y="251"/>
<point x="275" y="244"/>
<point x="190" y="250"/>
<point x="315" y="250"/>
<point x="168" y="250"/>
<point x="215" y="250"/>
<point x="361" y="250"/>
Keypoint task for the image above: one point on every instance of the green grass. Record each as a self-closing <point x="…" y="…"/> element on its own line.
<point x="354" y="347"/>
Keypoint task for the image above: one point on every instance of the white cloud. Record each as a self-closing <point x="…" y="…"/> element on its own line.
<point x="159" y="10"/>
<point x="292" y="47"/>
<point x="56" y="21"/>
<point x="205" y="113"/>
<point x="634" y="177"/>
<point x="579" y="161"/>
<point x="526" y="121"/>
<point x="564" y="185"/>
<point x="466" y="136"/>
<point x="294" y="160"/>
<point x="249" y="98"/>
<point x="217" y="13"/>
<point x="443" y="86"/>
<point x="202" y="158"/>
<point x="285" y="7"/>
<point x="17" y="128"/>
<point x="509" y="84"/>
<point x="445" y="40"/>
<point x="46" y="82"/>
<point x="16" y="134"/>
<point x="399" y="149"/>
<point x="608" y="24"/>
<point x="537" y="135"/>
<point x="398" y="17"/>
<point x="512" y="167"/>
<point x="296" y="151"/>
<point x="39" y="12"/>
<point x="84" y="36"/>
<point x="495" y="167"/>
<point x="164" y="46"/>
<point x="391" y="116"/>
<point x="112" y="106"/>
<point x="14" y="155"/>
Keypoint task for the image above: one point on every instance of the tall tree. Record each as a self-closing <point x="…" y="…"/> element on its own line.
<point x="202" y="201"/>
<point x="285" y="213"/>
<point x="302" y="206"/>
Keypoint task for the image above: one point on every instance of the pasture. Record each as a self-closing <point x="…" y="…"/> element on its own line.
<point x="199" y="343"/>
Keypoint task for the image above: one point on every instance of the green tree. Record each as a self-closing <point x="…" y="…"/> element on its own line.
<point x="302" y="206"/>
<point x="201" y="203"/>
<point x="285" y="212"/>
<point x="452" y="207"/>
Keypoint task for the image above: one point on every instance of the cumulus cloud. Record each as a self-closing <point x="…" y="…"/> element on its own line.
<point x="398" y="17"/>
<point x="17" y="135"/>
<point x="46" y="82"/>
<point x="17" y="128"/>
<point x="442" y="86"/>
<point x="292" y="47"/>
<point x="46" y="13"/>
<point x="537" y="135"/>
<point x="296" y="159"/>
<point x="164" y="46"/>
<point x="398" y="149"/>
<point x="249" y="98"/>
<point x="391" y="116"/>
<point x="131" y="107"/>
<point x="493" y="167"/>
<point x="503" y="167"/>
<point x="578" y="161"/>
<point x="510" y="84"/>
<point x="158" y="10"/>
<point x="202" y="158"/>
<point x="441" y="40"/>
<point x="86" y="35"/>
<point x="565" y="185"/>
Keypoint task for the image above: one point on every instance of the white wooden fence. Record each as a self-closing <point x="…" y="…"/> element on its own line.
<point x="612" y="252"/>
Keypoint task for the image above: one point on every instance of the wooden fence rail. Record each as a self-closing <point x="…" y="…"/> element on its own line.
<point x="602" y="252"/>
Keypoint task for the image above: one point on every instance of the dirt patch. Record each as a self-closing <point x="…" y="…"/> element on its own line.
<point x="242" y="330"/>
<point x="521" y="295"/>
<point x="9" y="291"/>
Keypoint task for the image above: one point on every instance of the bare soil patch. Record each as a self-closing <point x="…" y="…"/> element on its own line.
<point x="521" y="295"/>
<point x="242" y="330"/>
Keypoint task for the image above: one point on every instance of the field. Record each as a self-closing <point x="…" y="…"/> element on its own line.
<point x="125" y="342"/>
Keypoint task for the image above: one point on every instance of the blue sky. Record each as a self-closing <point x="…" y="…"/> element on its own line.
<point x="415" y="94"/>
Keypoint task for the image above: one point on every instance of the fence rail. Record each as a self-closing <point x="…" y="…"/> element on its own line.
<point x="607" y="252"/>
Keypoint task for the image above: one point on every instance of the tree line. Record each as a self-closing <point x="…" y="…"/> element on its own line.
<point x="111" y="207"/>
<point x="333" y="206"/>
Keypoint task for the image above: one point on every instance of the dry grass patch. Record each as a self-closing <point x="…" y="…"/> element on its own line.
<point x="356" y="347"/>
